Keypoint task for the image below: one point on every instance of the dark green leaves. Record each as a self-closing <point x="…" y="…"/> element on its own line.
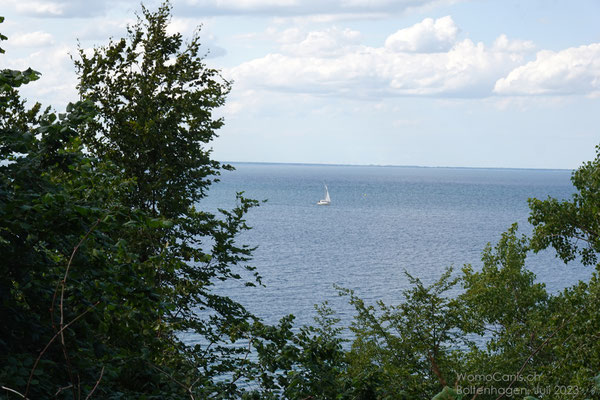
<point x="120" y="216"/>
<point x="571" y="227"/>
<point x="13" y="78"/>
<point x="2" y="37"/>
<point x="155" y="99"/>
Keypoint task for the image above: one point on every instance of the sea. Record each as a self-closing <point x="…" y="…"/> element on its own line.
<point x="383" y="222"/>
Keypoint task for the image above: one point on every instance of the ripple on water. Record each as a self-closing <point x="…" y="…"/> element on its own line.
<point x="382" y="221"/>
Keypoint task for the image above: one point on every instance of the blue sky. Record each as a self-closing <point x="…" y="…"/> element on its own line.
<point x="407" y="82"/>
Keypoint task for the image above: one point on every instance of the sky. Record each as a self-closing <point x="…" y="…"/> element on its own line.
<point x="477" y="83"/>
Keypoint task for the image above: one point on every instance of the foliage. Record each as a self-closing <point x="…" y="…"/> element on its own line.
<point x="154" y="99"/>
<point x="504" y="335"/>
<point x="108" y="262"/>
<point x="403" y="351"/>
<point x="103" y="269"/>
<point x="307" y="363"/>
<point x="571" y="227"/>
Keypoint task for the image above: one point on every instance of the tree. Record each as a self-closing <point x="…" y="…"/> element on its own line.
<point x="43" y="215"/>
<point x="309" y="362"/>
<point x="103" y="268"/>
<point x="571" y="227"/>
<point x="107" y="260"/>
<point x="506" y="308"/>
<point x="154" y="99"/>
<point x="404" y="351"/>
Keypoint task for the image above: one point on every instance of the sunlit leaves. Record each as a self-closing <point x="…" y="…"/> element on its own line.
<point x="571" y="227"/>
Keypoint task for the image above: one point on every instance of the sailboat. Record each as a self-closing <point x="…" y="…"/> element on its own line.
<point x="327" y="200"/>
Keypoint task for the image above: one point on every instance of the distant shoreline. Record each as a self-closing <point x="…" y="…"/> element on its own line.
<point x="393" y="166"/>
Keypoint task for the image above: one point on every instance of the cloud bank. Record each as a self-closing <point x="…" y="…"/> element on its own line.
<point x="286" y="8"/>
<point x="59" y="8"/>
<point x="31" y="39"/>
<point x="572" y="71"/>
<point x="428" y="36"/>
<point x="306" y="7"/>
<point x="425" y="59"/>
<point x="428" y="58"/>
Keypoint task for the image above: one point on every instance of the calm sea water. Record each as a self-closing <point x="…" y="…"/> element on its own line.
<point x="382" y="221"/>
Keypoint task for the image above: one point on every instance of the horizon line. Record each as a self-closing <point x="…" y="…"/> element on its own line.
<point x="390" y="165"/>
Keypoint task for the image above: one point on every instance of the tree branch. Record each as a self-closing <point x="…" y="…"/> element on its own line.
<point x="52" y="340"/>
<point x="96" y="385"/>
<point x="13" y="391"/>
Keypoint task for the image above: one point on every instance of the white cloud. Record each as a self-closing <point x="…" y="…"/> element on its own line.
<point x="503" y="43"/>
<point x="326" y="11"/>
<point x="31" y="39"/>
<point x="212" y="7"/>
<point x="251" y="4"/>
<point x="100" y="29"/>
<point x="57" y="86"/>
<point x="59" y="8"/>
<point x="326" y="43"/>
<point x="426" y="36"/>
<point x="331" y="17"/>
<point x="307" y="7"/>
<point x="333" y="62"/>
<point x="575" y="70"/>
<point x="188" y="27"/>
<point x="288" y="36"/>
<point x="185" y="26"/>
<point x="40" y="8"/>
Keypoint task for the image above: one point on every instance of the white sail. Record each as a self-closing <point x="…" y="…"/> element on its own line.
<point x="327" y="200"/>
